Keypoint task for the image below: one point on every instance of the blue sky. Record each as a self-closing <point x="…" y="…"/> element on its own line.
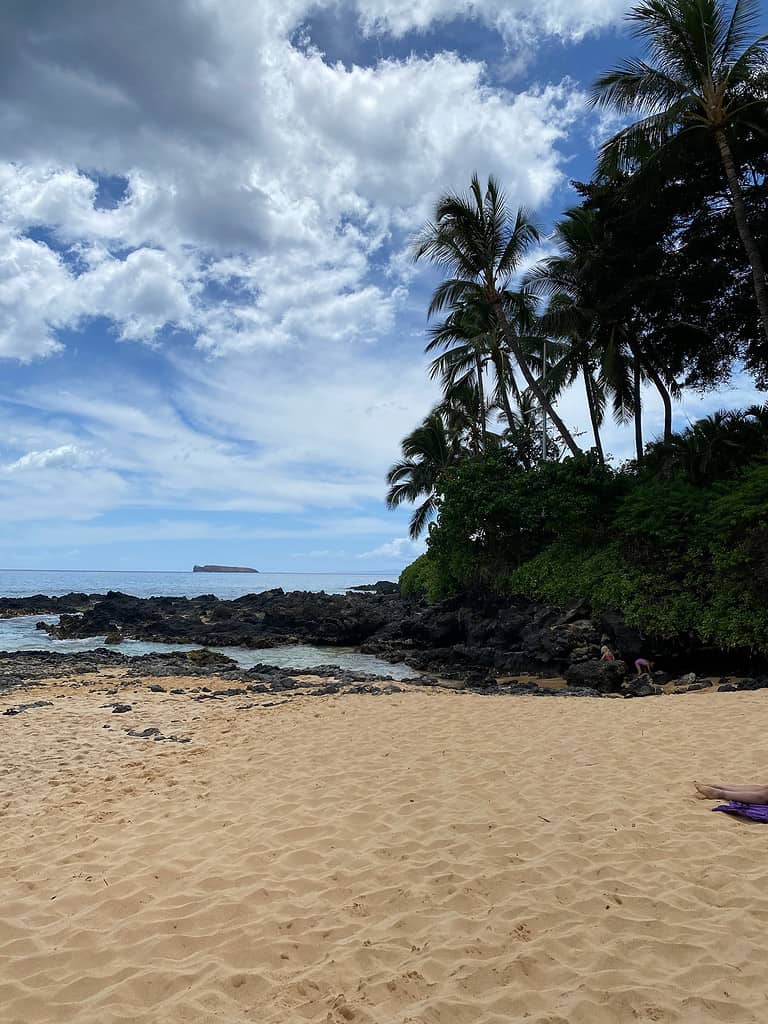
<point x="211" y="334"/>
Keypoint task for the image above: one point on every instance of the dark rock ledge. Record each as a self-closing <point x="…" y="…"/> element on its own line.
<point x="485" y="643"/>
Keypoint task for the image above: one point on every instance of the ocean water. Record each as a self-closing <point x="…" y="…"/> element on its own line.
<point x="25" y="582"/>
<point x="20" y="634"/>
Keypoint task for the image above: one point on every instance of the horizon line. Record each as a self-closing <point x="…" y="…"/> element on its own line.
<point x="191" y="572"/>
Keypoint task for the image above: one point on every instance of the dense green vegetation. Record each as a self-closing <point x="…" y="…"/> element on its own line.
<point x="658" y="281"/>
<point x="683" y="552"/>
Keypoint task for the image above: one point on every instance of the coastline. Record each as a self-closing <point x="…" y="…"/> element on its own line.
<point x="490" y="643"/>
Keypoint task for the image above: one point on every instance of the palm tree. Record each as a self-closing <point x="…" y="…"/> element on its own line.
<point x="707" y="72"/>
<point x="465" y="414"/>
<point x="713" y="448"/>
<point x="564" y="319"/>
<point x="471" y="342"/>
<point x="474" y="238"/>
<point x="463" y="362"/>
<point x="427" y="452"/>
<point x="523" y="436"/>
<point x="592" y="343"/>
<point x="595" y="322"/>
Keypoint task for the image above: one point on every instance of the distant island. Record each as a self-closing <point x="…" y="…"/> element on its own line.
<point x="222" y="568"/>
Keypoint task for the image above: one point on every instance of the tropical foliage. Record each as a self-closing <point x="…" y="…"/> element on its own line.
<point x="680" y="545"/>
<point x="653" y="282"/>
<point x="705" y="74"/>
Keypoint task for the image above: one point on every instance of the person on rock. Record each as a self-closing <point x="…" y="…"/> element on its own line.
<point x="643" y="665"/>
<point x="606" y="654"/>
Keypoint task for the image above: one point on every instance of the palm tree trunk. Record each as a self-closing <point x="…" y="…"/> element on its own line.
<point x="638" y="411"/>
<point x="474" y="443"/>
<point x="481" y="398"/>
<point x="515" y="390"/>
<point x="586" y="371"/>
<point x="499" y="367"/>
<point x="745" y="233"/>
<point x="666" y="398"/>
<point x="533" y="383"/>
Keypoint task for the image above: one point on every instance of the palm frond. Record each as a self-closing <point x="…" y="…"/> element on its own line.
<point x="421" y="517"/>
<point x="740" y="30"/>
<point x="524" y="234"/>
<point x="637" y="86"/>
<point x="451" y="293"/>
<point x="746" y="69"/>
<point x="642" y="143"/>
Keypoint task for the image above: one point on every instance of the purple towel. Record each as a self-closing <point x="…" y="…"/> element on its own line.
<point x="755" y="812"/>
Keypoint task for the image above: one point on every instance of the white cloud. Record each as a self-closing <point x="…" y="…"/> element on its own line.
<point x="69" y="456"/>
<point x="263" y="186"/>
<point x="400" y="549"/>
<point x="40" y="293"/>
<point x="33" y="281"/>
<point x="141" y="293"/>
<point x="255" y="435"/>
<point x="518" y="20"/>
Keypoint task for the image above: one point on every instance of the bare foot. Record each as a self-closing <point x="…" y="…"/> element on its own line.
<point x="708" y="792"/>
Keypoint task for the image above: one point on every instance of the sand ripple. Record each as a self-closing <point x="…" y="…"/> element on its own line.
<point x="418" y="859"/>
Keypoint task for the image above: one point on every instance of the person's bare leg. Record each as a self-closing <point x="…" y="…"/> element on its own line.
<point x="747" y="794"/>
<point x="709" y="792"/>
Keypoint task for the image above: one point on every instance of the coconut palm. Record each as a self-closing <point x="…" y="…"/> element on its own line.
<point x="707" y="72"/>
<point x="465" y="413"/>
<point x="523" y="438"/>
<point x="480" y="245"/>
<point x="427" y="452"/>
<point x="588" y="322"/>
<point x="471" y="344"/>
<point x="566" y="320"/>
<point x="595" y="323"/>
<point x="463" y="360"/>
<point x="713" y="448"/>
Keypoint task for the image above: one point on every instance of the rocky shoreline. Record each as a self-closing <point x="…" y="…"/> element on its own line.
<point x="484" y="643"/>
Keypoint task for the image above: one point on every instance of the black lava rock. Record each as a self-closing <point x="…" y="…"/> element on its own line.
<point x="605" y="676"/>
<point x="21" y="708"/>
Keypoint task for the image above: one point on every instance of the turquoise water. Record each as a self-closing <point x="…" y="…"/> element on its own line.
<point x="19" y="634"/>
<point x="24" y="582"/>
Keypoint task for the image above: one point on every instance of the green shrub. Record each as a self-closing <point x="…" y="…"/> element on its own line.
<point x="679" y="561"/>
<point x="417" y="579"/>
<point x="494" y="517"/>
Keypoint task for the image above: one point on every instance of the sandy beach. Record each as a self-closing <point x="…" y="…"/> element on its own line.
<point x="420" y="858"/>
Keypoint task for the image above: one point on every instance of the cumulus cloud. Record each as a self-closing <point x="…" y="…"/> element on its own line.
<point x="194" y="175"/>
<point x="33" y="282"/>
<point x="69" y="456"/>
<point x="142" y="293"/>
<point x="399" y="549"/>
<point x="518" y="20"/>
<point x="263" y="186"/>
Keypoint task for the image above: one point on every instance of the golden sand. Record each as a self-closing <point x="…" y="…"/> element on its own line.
<point x="424" y="858"/>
